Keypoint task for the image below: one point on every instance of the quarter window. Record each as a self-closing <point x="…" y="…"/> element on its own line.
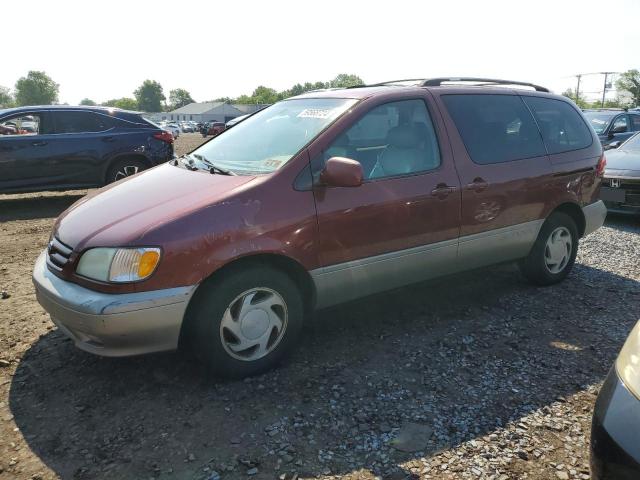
<point x="495" y="128"/>
<point x="393" y="139"/>
<point x="562" y="127"/>
<point x="81" y="122"/>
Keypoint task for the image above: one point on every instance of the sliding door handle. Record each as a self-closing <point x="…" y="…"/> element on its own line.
<point x="478" y="185"/>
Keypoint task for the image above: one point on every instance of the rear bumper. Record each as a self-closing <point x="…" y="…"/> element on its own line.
<point x="594" y="216"/>
<point x="615" y="433"/>
<point x="112" y="324"/>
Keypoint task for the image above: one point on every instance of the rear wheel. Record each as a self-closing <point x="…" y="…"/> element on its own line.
<point x="246" y="323"/>
<point x="125" y="168"/>
<point x="553" y="252"/>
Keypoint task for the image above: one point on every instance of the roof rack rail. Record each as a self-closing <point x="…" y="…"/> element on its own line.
<point x="436" y="82"/>
<point x="391" y="82"/>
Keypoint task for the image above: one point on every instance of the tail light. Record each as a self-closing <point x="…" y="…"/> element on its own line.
<point x="164" y="136"/>
<point x="602" y="163"/>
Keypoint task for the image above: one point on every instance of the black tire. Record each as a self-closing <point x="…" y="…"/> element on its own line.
<point x="535" y="266"/>
<point x="207" y="337"/>
<point x="125" y="168"/>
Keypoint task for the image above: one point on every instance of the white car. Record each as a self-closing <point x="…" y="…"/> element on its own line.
<point x="173" y="128"/>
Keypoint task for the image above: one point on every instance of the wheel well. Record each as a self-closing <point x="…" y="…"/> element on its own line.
<point x="285" y="264"/>
<point x="119" y="158"/>
<point x="575" y="212"/>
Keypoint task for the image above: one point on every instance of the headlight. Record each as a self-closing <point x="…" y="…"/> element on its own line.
<point x="118" y="264"/>
<point x="628" y="362"/>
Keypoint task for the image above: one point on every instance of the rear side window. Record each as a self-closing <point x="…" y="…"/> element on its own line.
<point x="563" y="129"/>
<point x="495" y="128"/>
<point x="81" y="122"/>
<point x="635" y="122"/>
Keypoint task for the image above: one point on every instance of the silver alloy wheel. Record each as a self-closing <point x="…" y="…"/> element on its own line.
<point x="253" y="324"/>
<point x="126" y="171"/>
<point x="558" y="250"/>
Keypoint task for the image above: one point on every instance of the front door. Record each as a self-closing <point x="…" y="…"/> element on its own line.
<point x="401" y="225"/>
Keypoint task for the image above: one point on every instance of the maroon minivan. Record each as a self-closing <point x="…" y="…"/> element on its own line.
<point x="320" y="199"/>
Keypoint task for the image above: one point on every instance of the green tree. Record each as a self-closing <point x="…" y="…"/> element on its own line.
<point x="581" y="101"/>
<point x="6" y="99"/>
<point x="37" y="88"/>
<point x="264" y="94"/>
<point x="125" y="103"/>
<point x="629" y="82"/>
<point x="150" y="96"/>
<point x="224" y="100"/>
<point x="87" y="101"/>
<point x="179" y="97"/>
<point x="345" y="80"/>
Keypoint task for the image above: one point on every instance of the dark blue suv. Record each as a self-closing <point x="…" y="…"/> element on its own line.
<point x="62" y="147"/>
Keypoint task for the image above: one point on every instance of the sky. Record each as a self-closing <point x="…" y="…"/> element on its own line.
<point x="104" y="50"/>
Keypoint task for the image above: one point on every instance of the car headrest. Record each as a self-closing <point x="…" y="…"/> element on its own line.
<point x="403" y="136"/>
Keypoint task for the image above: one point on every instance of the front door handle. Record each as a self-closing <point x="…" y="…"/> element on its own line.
<point x="39" y="143"/>
<point x="108" y="139"/>
<point x="478" y="185"/>
<point x="442" y="190"/>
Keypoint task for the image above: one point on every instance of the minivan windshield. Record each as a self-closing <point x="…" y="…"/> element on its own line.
<point x="599" y="120"/>
<point x="267" y="140"/>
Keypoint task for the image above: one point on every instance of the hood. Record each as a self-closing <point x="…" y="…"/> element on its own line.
<point x="627" y="161"/>
<point x="120" y="214"/>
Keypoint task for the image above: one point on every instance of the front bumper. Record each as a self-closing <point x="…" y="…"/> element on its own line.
<point x="594" y="216"/>
<point x="112" y="324"/>
<point x="615" y="432"/>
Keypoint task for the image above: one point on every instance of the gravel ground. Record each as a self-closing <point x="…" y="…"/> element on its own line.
<point x="474" y="376"/>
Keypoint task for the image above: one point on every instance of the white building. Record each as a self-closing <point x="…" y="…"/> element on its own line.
<point x="209" y="112"/>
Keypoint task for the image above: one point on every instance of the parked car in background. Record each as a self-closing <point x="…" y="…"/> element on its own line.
<point x="213" y="128"/>
<point x="621" y="182"/>
<point x="615" y="429"/>
<point x="186" y="127"/>
<point x="61" y="147"/>
<point x="173" y="128"/>
<point x="318" y="200"/>
<point x="613" y="126"/>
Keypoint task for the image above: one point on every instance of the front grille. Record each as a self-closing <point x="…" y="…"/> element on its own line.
<point x="58" y="254"/>
<point x="631" y="186"/>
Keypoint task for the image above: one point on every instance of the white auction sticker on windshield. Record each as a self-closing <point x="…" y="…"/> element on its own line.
<point x="316" y="113"/>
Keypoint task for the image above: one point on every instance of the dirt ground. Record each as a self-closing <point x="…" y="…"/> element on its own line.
<point x="474" y="376"/>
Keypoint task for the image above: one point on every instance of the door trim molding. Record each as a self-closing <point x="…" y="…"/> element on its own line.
<point x="354" y="279"/>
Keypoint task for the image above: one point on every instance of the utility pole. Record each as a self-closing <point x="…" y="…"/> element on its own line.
<point x="604" y="88"/>
<point x="578" y="88"/>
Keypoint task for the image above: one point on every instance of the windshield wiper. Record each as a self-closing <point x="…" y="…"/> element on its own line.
<point x="212" y="168"/>
<point x="186" y="162"/>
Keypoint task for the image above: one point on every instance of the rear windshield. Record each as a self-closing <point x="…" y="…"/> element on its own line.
<point x="267" y="140"/>
<point x="599" y="120"/>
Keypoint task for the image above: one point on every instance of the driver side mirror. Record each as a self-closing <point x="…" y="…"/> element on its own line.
<point x="611" y="145"/>
<point x="341" y="172"/>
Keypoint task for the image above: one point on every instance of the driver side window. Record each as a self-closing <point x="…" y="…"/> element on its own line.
<point x="393" y="139"/>
<point x="620" y="125"/>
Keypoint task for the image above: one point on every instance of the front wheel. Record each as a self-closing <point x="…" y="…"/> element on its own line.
<point x="245" y="323"/>
<point x="554" y="251"/>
